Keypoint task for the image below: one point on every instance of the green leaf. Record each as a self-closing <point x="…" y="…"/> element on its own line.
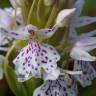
<point x="17" y="88"/>
<point x="88" y="91"/>
<point x="32" y="84"/>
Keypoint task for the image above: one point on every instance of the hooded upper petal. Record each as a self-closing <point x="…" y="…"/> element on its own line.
<point x="64" y="16"/>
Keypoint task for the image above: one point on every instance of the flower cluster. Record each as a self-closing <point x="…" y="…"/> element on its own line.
<point x="40" y="59"/>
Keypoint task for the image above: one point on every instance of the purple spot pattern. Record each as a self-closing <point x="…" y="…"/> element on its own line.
<point x="49" y="32"/>
<point x="88" y="75"/>
<point x="33" y="58"/>
<point x="56" y="88"/>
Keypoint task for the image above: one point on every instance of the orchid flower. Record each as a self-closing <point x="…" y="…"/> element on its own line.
<point x="79" y="21"/>
<point x="88" y="72"/>
<point x="35" y="58"/>
<point x="57" y="88"/>
<point x="82" y="47"/>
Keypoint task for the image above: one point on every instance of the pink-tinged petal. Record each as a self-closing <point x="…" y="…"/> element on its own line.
<point x="86" y="43"/>
<point x="88" y="75"/>
<point x="55" y="88"/>
<point x="80" y="54"/>
<point x="35" y="57"/>
<point x="64" y="17"/>
<point x="85" y="20"/>
<point x="79" y="6"/>
<point x="48" y="32"/>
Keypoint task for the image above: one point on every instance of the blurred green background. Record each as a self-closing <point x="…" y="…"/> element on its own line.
<point x="90" y="10"/>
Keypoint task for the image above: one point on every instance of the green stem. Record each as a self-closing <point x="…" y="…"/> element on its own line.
<point x="38" y="10"/>
<point x="31" y="11"/>
<point x="10" y="50"/>
<point x="52" y="15"/>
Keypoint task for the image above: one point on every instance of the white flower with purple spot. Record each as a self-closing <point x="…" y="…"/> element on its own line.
<point x="88" y="72"/>
<point x="57" y="88"/>
<point x="35" y="59"/>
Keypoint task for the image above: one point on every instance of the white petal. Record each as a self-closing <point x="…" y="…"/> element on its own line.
<point x="87" y="43"/>
<point x="35" y="57"/>
<point x="79" y="54"/>
<point x="47" y="33"/>
<point x="88" y="75"/>
<point x="21" y="33"/>
<point x="85" y="20"/>
<point x="55" y="88"/>
<point x="53" y="75"/>
<point x="64" y="17"/>
<point x="6" y="21"/>
<point x="79" y="6"/>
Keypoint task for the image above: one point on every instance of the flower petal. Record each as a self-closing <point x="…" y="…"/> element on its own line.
<point x="86" y="43"/>
<point x="53" y="75"/>
<point x="54" y="88"/>
<point x="79" y="6"/>
<point x="79" y="54"/>
<point x="6" y="21"/>
<point x="85" y="20"/>
<point x="64" y="17"/>
<point x="34" y="58"/>
<point x="47" y="33"/>
<point x="88" y="75"/>
<point x="21" y="33"/>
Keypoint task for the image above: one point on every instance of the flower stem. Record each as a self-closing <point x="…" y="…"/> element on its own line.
<point x="31" y="11"/>
<point x="52" y="15"/>
<point x="10" y="50"/>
